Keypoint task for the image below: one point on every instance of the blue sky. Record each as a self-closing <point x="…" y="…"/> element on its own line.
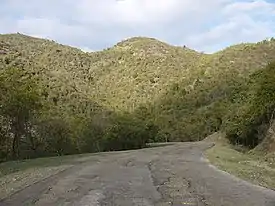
<point x="204" y="25"/>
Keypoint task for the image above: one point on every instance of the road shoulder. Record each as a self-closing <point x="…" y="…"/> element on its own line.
<point x="255" y="168"/>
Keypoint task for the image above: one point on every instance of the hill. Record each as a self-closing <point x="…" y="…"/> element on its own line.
<point x="108" y="100"/>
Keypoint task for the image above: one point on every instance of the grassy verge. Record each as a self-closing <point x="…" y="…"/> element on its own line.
<point x="253" y="167"/>
<point x="16" y="175"/>
<point x="10" y="167"/>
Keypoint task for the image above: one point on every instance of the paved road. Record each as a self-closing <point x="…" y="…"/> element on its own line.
<point x="161" y="176"/>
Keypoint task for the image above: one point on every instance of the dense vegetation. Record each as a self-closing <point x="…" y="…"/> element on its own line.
<point x="58" y="100"/>
<point x="252" y="109"/>
<point x="31" y="125"/>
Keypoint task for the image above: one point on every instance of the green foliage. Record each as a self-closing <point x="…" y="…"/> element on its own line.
<point x="18" y="91"/>
<point x="35" y="126"/>
<point x="19" y="102"/>
<point x="250" y="116"/>
<point x="126" y="132"/>
<point x="55" y="137"/>
<point x="265" y="89"/>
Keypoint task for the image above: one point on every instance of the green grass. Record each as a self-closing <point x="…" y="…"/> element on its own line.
<point x="10" y="167"/>
<point x="17" y="175"/>
<point x="255" y="168"/>
<point x="7" y="168"/>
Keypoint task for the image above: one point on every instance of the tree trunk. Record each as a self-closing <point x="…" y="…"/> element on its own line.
<point x="15" y="146"/>
<point x="18" y="129"/>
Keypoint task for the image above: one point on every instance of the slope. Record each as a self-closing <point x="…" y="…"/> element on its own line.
<point x="194" y="108"/>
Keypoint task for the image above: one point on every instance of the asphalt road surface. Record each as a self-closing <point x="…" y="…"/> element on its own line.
<point x="162" y="176"/>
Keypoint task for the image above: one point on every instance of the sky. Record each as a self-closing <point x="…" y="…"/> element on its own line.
<point x="92" y="25"/>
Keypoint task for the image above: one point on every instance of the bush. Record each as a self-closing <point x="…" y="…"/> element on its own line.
<point x="128" y="132"/>
<point x="55" y="137"/>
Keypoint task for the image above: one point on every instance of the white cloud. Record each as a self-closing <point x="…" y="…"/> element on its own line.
<point x="143" y="11"/>
<point x="258" y="6"/>
<point x="231" y="32"/>
<point x="128" y="11"/>
<point x="242" y="22"/>
<point x="204" y="25"/>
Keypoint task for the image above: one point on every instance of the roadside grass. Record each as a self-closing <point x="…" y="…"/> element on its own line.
<point x="17" y="175"/>
<point x="162" y="144"/>
<point x="256" y="168"/>
<point x="7" y="168"/>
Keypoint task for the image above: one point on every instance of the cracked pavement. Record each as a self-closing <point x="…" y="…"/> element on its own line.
<point x="174" y="175"/>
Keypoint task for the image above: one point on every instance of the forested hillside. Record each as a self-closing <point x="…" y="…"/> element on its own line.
<point x="59" y="100"/>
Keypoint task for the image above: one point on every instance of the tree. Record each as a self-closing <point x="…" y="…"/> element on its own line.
<point x="19" y="102"/>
